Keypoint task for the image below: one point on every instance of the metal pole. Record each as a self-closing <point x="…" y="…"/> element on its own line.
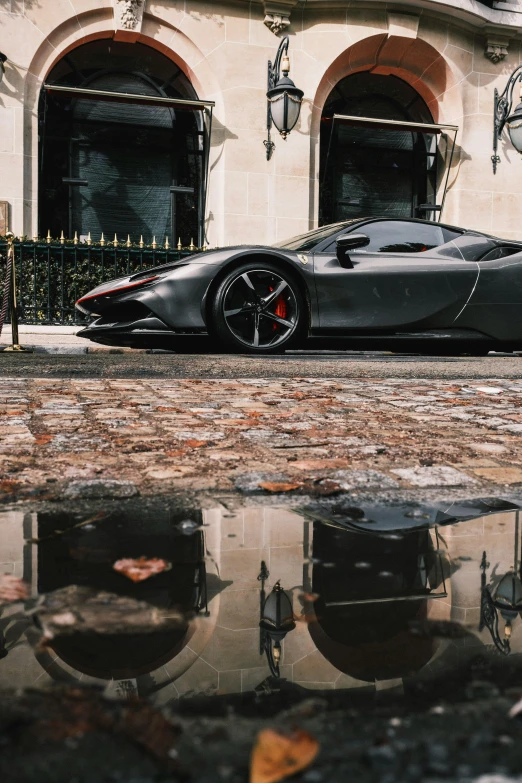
<point x="15" y="345"/>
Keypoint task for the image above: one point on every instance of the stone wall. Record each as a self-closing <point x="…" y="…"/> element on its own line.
<point x="223" y="47"/>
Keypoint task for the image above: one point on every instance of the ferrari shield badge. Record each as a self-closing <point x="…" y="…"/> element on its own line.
<point x="303" y="259"/>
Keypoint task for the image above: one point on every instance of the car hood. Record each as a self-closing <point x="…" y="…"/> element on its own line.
<point x="215" y="256"/>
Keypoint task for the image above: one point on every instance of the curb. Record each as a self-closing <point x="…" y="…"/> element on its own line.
<point x="77" y="350"/>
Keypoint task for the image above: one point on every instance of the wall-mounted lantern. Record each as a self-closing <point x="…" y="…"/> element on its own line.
<point x="277" y="619"/>
<point x="284" y="98"/>
<point x="3" y="58"/>
<point x="502" y="116"/>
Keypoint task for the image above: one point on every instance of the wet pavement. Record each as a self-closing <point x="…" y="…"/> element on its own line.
<point x="324" y="549"/>
<point x="139" y="641"/>
<point x="66" y="439"/>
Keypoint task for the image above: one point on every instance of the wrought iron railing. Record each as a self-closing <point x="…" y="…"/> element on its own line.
<point x="52" y="274"/>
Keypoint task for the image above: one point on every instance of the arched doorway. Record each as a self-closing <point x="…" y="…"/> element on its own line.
<point x="369" y="168"/>
<point x="122" y="165"/>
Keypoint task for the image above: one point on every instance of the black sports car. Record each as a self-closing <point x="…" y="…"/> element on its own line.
<point x="373" y="283"/>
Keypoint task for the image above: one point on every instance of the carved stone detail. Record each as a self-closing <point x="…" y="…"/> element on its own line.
<point x="128" y="13"/>
<point x="276" y="22"/>
<point x="496" y="48"/>
<point x="277" y="14"/>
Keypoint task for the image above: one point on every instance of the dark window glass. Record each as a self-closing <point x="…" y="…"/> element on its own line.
<point x="450" y="233"/>
<point x="397" y="236"/>
<point x="501" y="252"/>
<point x="312" y="238"/>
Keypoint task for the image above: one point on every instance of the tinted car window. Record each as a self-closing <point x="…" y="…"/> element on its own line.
<point x="500" y="252"/>
<point x="312" y="238"/>
<point x="400" y="236"/>
<point x="397" y="236"/>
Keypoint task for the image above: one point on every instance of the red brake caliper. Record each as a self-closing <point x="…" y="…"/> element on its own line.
<point x="281" y="308"/>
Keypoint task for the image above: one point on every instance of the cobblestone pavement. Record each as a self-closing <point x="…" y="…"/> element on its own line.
<point x="66" y="438"/>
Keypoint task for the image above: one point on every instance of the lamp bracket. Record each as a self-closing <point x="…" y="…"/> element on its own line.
<point x="501" y="110"/>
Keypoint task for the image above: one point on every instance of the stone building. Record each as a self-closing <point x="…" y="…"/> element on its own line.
<point x="77" y="158"/>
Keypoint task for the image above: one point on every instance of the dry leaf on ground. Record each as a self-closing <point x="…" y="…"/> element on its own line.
<point x="279" y="486"/>
<point x="141" y="568"/>
<point x="275" y="755"/>
<point x="515" y="709"/>
<point x="12" y="589"/>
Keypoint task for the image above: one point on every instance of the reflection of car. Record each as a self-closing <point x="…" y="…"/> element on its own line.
<point x="380" y="282"/>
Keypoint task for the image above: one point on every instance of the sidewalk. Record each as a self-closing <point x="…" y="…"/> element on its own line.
<point x="55" y="340"/>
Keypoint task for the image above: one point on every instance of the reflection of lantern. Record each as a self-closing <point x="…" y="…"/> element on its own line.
<point x="277" y="619"/>
<point x="505" y="599"/>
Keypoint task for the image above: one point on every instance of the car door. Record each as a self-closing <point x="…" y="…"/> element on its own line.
<point x="399" y="280"/>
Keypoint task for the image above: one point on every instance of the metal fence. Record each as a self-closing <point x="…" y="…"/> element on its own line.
<point x="52" y="274"/>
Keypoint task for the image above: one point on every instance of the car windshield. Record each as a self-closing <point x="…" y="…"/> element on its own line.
<point x="312" y="238"/>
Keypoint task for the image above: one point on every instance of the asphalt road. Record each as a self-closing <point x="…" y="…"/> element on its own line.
<point x="293" y="365"/>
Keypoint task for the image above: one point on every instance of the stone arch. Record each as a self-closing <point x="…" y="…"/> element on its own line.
<point x="413" y="60"/>
<point x="98" y="24"/>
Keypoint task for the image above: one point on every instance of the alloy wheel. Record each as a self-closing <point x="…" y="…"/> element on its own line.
<point x="260" y="308"/>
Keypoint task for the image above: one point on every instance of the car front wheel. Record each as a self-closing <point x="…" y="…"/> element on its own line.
<point x="258" y="308"/>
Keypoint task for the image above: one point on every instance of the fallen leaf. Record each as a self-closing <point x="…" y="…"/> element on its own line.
<point x="43" y="440"/>
<point x="311" y="597"/>
<point x="12" y="589"/>
<point x="515" y="709"/>
<point x="141" y="568"/>
<point x="323" y="487"/>
<point x="276" y="756"/>
<point x="281" y="486"/>
<point x="192" y="443"/>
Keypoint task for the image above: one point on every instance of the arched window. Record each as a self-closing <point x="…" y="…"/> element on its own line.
<point x="370" y="169"/>
<point x="118" y="167"/>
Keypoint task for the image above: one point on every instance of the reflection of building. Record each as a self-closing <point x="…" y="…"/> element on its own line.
<point x="72" y="159"/>
<point x="355" y="635"/>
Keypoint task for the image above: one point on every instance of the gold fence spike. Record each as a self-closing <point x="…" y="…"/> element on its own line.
<point x="141" y="240"/>
<point x="89" y="240"/>
<point x="35" y="238"/>
<point x="192" y="246"/>
<point x="167" y="243"/>
<point x="102" y="240"/>
<point x="180" y="246"/>
<point x="115" y="242"/>
<point x="128" y="242"/>
<point x="49" y="237"/>
<point x="204" y="248"/>
<point x="75" y="238"/>
<point x="154" y="243"/>
<point x="62" y="239"/>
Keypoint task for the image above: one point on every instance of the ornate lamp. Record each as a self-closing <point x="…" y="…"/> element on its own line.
<point x="277" y="619"/>
<point x="503" y="116"/>
<point x="505" y="600"/>
<point x="284" y="98"/>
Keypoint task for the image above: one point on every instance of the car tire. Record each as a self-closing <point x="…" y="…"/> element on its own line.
<point x="257" y="308"/>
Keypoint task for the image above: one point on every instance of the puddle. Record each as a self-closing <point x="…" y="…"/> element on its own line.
<point x="410" y="602"/>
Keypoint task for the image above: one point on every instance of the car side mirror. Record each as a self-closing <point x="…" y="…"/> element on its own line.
<point x="347" y="242"/>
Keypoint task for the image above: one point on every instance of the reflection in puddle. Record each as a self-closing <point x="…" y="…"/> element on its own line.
<point x="410" y="600"/>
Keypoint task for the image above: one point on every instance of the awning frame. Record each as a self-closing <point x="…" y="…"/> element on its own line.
<point x="128" y="97"/>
